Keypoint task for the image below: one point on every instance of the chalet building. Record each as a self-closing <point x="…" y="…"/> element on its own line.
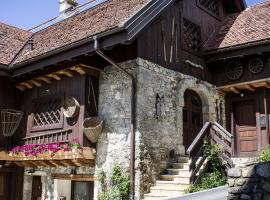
<point x="137" y="83"/>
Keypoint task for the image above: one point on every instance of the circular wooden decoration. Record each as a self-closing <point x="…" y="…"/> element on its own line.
<point x="71" y="107"/>
<point x="255" y="66"/>
<point x="234" y="70"/>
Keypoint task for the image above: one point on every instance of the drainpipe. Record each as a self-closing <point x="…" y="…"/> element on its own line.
<point x="133" y="104"/>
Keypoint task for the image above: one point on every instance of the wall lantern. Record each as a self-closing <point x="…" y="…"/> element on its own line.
<point x="160" y="106"/>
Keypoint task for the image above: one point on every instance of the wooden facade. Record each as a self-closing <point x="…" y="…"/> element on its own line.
<point x="168" y="41"/>
<point x="174" y="40"/>
<point x="9" y="175"/>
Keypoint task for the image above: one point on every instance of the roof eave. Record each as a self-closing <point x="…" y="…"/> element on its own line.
<point x="238" y="50"/>
<point x="65" y="48"/>
<point x="131" y="27"/>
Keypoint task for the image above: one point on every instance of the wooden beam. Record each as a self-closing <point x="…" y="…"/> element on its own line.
<point x="65" y="72"/>
<point x="267" y="85"/>
<point x="54" y="76"/>
<point x="75" y="177"/>
<point x="78" y="69"/>
<point x="44" y="79"/>
<point x="27" y="85"/>
<point x="90" y="67"/>
<point x="233" y="89"/>
<point x="20" y="87"/>
<point x="249" y="87"/>
<point x="36" y="83"/>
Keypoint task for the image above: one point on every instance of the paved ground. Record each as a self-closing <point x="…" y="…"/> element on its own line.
<point x="213" y="194"/>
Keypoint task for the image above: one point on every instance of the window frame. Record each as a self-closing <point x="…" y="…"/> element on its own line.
<point x="208" y="11"/>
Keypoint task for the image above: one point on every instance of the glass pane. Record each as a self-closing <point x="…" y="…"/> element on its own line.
<point x="83" y="191"/>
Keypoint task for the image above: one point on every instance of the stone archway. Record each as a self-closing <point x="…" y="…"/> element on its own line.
<point x="208" y="96"/>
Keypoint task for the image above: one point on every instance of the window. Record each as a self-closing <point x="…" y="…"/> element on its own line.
<point x="47" y="113"/>
<point x="210" y="6"/>
<point x="82" y="190"/>
<point x="191" y="35"/>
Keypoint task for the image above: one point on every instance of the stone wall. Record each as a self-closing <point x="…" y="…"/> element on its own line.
<point x="249" y="182"/>
<point x="156" y="136"/>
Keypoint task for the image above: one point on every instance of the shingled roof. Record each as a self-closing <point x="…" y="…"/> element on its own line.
<point x="241" y="29"/>
<point x="101" y="18"/>
<point x="12" y="40"/>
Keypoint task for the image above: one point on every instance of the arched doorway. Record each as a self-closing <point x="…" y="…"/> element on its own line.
<point x="192" y="117"/>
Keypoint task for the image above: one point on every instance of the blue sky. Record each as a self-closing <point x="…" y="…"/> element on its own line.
<point x="29" y="13"/>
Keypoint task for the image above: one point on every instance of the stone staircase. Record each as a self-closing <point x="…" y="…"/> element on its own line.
<point x="173" y="183"/>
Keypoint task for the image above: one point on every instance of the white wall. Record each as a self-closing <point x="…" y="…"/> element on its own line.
<point x="62" y="188"/>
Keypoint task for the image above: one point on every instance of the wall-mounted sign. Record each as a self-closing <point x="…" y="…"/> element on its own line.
<point x="263" y="121"/>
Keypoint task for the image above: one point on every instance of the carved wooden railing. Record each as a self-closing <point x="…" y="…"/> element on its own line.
<point x="215" y="134"/>
<point x="58" y="136"/>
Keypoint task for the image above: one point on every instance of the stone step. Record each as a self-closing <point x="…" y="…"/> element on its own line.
<point x="181" y="172"/>
<point x="176" y="178"/>
<point x="180" y="165"/>
<point x="182" y="159"/>
<point x="154" y="196"/>
<point x="170" y="192"/>
<point x="171" y="184"/>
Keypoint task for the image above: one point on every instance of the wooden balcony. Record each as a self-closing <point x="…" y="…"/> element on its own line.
<point x="60" y="159"/>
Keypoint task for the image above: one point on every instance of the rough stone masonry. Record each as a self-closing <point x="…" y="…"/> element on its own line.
<point x="156" y="136"/>
<point x="249" y="182"/>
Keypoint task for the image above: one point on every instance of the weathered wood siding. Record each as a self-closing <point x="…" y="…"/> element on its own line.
<point x="220" y="79"/>
<point x="162" y="42"/>
<point x="77" y="87"/>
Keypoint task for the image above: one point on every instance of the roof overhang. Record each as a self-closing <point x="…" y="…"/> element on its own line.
<point x="124" y="34"/>
<point x="250" y="86"/>
<point x="4" y="71"/>
<point x="257" y="47"/>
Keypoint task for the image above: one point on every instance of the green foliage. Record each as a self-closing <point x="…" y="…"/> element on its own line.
<point x="215" y="175"/>
<point x="117" y="188"/>
<point x="264" y="156"/>
<point x="213" y="154"/>
<point x="208" y="181"/>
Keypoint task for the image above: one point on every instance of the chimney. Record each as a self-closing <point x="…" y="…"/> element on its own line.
<point x="67" y="5"/>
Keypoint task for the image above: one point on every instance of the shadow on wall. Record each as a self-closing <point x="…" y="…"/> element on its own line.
<point x="250" y="181"/>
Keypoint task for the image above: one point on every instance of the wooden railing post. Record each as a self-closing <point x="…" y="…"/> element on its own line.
<point x="215" y="134"/>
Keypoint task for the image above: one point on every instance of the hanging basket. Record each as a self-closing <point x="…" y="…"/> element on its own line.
<point x="10" y="120"/>
<point x="92" y="128"/>
<point x="71" y="107"/>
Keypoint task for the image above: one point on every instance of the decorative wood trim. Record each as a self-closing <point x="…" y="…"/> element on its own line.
<point x="251" y="86"/>
<point x="81" y="69"/>
<point x="76" y="177"/>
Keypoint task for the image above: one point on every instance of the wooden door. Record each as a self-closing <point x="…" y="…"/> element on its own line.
<point x="192" y="117"/>
<point x="245" y="127"/>
<point x="2" y="187"/>
<point x="36" y="188"/>
<point x="82" y="190"/>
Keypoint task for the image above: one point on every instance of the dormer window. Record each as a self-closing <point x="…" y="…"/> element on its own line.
<point x="210" y="6"/>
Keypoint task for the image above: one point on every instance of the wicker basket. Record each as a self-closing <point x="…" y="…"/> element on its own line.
<point x="10" y="120"/>
<point x="92" y="128"/>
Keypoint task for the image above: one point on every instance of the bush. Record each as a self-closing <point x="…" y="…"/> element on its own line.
<point x="117" y="188"/>
<point x="215" y="175"/>
<point x="208" y="181"/>
<point x="264" y="156"/>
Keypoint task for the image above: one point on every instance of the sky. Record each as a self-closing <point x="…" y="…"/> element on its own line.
<point x="26" y="14"/>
